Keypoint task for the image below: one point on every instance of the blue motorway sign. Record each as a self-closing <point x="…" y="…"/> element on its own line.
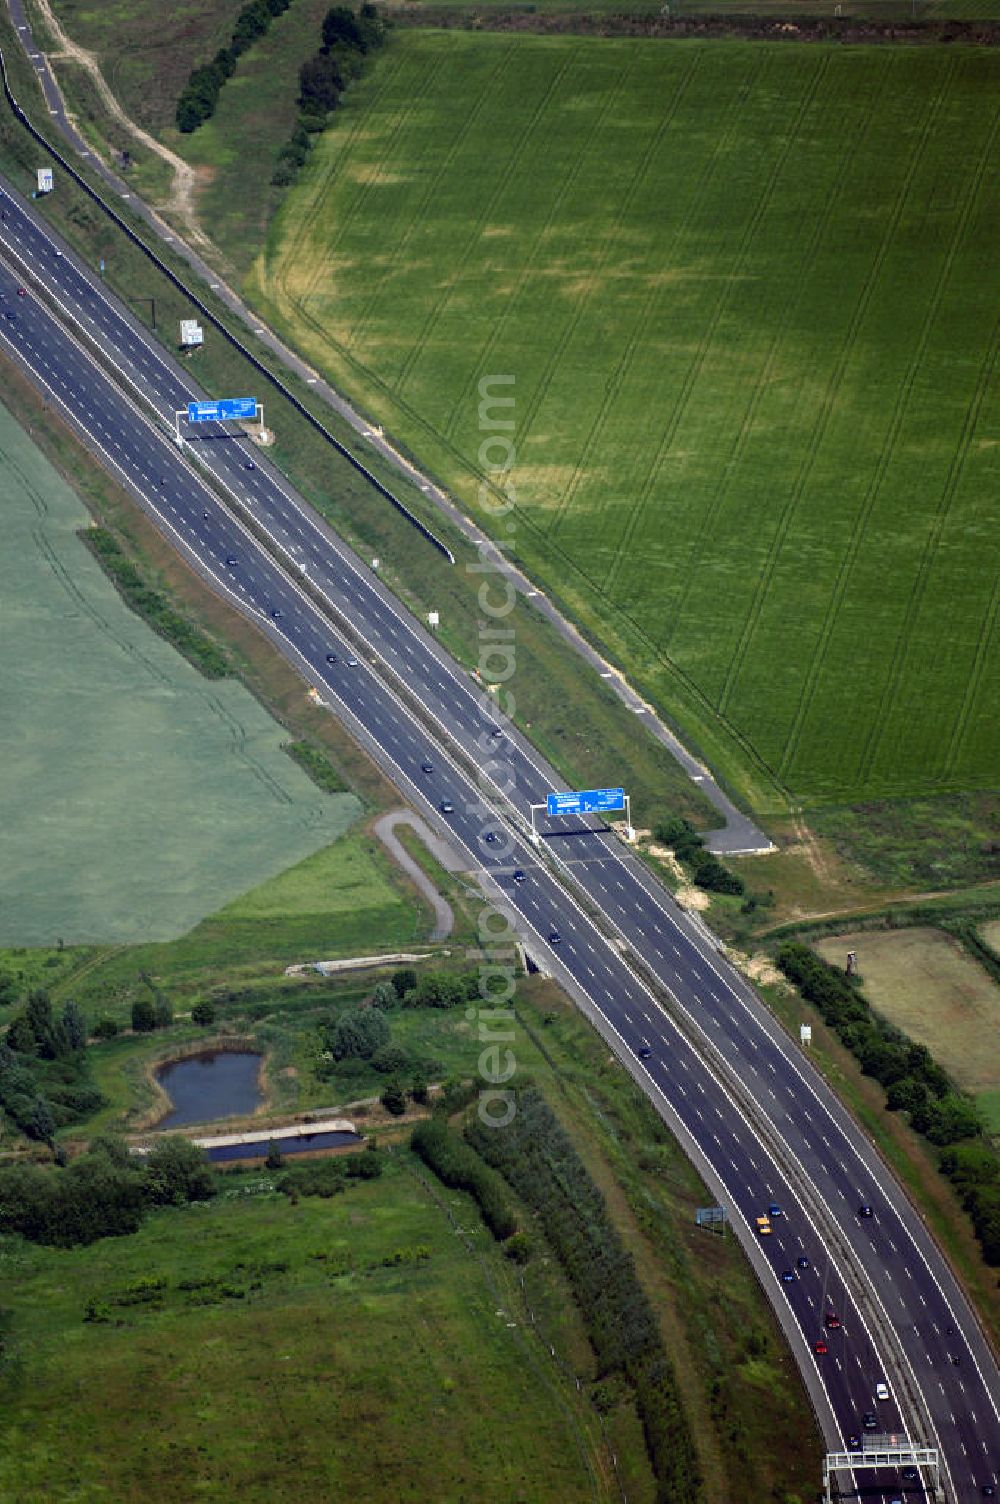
<point x="584" y="803"/>
<point x="221" y="411"/>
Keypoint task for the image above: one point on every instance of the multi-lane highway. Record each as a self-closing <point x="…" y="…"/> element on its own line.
<point x="756" y="1118"/>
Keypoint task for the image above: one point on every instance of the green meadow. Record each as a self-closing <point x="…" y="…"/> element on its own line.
<point x="137" y="795"/>
<point x="746" y="294"/>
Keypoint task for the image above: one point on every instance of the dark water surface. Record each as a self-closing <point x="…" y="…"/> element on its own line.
<point x="288" y="1146"/>
<point x="205" y="1087"/>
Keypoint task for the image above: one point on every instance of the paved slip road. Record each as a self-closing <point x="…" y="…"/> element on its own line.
<point x="756" y="1119"/>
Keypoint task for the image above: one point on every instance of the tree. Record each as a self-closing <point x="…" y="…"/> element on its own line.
<point x="177" y="1171"/>
<point x="39" y="1015"/>
<point x="403" y="980"/>
<point x="341" y="28"/>
<point x="41" y="1124"/>
<point x="106" y="1028"/>
<point x="393" y="1098"/>
<point x="203" y="1014"/>
<point x="163" y="1012"/>
<point x="419" y="1085"/>
<point x="143" y="1016"/>
<point x="275" y="1160"/>
<point x="358" y="1035"/>
<point x="74" y="1027"/>
<point x="21" y="1036"/>
<point x="385" y="997"/>
<point x="320" y="84"/>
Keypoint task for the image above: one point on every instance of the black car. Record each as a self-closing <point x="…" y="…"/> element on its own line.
<point x="802" y="1261"/>
<point x="232" y="560"/>
<point x="554" y="937"/>
<point x="490" y="836"/>
<point x="870" y="1420"/>
<point x="988" y="1491"/>
<point x="277" y="613"/>
<point x="249" y="465"/>
<point x="644" y="1052"/>
<point x="518" y="875"/>
<point x="865" y="1211"/>
<point x="331" y="658"/>
<point x="446" y="807"/>
<point x="910" y="1475"/>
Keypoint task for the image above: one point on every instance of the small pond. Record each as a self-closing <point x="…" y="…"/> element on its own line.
<point x="219" y="1084"/>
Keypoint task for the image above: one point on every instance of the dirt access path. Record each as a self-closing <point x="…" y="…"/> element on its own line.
<point x="182" y="194"/>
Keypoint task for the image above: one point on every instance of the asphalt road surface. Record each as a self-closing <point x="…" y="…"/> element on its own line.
<point x="756" y="1119"/>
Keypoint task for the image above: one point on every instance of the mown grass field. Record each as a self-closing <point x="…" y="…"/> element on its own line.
<point x="135" y="793"/>
<point x="746" y="293"/>
<point x="923" y="980"/>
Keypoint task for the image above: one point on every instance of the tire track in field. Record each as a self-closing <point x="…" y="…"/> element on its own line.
<point x="485" y="355"/>
<point x="429" y="197"/>
<point x="903" y="394"/>
<point x="707" y="341"/>
<point x="708" y="522"/>
<point x="305" y="231"/>
<point x="826" y="407"/>
<point x="972" y="685"/>
<point x="607" y="243"/>
<point x="396" y="121"/>
<point x="502" y="183"/>
<point x="307" y="219"/>
<point x="890" y="688"/>
<point x="640" y="323"/>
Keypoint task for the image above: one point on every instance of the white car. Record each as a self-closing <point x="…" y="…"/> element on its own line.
<point x="882" y="1391"/>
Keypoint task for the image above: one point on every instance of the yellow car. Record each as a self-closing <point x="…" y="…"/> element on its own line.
<point x="763" y="1226"/>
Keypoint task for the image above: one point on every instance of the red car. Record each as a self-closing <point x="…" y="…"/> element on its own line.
<point x="22" y="292"/>
<point x="820" y="1347"/>
<point x="831" y="1321"/>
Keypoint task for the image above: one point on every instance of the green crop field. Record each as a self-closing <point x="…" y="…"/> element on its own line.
<point x="135" y="793"/>
<point x="748" y="295"/>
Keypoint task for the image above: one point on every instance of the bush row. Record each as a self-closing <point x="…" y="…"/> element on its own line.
<point x="457" y="1164"/>
<point x="347" y="38"/>
<point x="154" y="608"/>
<point x="705" y="868"/>
<point x="317" y="765"/>
<point x="200" y="94"/>
<point x="538" y="1159"/>
<point x="914" y="1083"/>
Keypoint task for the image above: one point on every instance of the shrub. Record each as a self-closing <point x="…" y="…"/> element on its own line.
<point x="385" y="997"/>
<point x="106" y="1028"/>
<point x="203" y="1014"/>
